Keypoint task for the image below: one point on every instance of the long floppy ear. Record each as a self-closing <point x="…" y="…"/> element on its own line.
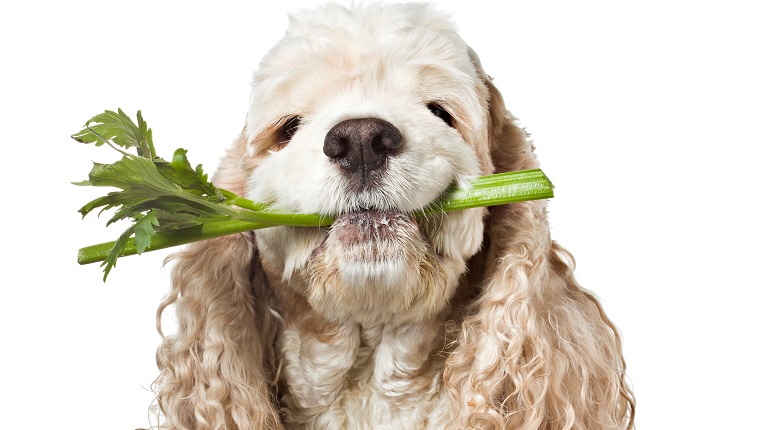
<point x="535" y="351"/>
<point x="216" y="370"/>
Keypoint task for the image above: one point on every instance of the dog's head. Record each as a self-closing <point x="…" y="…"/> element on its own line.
<point x="368" y="117"/>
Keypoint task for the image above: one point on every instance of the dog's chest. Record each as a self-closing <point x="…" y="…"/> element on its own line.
<point x="364" y="378"/>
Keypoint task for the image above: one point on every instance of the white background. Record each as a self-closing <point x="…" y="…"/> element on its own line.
<point x="644" y="115"/>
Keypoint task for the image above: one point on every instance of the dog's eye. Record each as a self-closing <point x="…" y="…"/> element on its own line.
<point x="289" y="129"/>
<point x="441" y="113"/>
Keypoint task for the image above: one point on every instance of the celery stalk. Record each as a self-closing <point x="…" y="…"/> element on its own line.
<point x="491" y="190"/>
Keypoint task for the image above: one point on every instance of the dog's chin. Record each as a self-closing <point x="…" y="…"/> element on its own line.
<point x="376" y="267"/>
<point x="372" y="247"/>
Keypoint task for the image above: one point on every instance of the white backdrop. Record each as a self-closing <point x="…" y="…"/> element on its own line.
<point x="645" y="116"/>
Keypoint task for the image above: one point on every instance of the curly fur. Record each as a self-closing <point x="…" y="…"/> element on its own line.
<point x="466" y="320"/>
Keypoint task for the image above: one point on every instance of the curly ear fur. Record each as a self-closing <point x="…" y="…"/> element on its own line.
<point x="535" y="350"/>
<point x="216" y="371"/>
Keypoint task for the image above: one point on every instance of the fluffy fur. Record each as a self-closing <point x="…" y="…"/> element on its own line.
<point x="471" y="319"/>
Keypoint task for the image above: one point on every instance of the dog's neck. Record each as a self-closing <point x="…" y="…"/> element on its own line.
<point x="360" y="374"/>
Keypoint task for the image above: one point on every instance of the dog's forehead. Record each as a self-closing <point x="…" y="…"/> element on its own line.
<point x="398" y="50"/>
<point x="367" y="22"/>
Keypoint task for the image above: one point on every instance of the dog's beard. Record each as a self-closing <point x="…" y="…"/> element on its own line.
<point x="372" y="248"/>
<point x="377" y="267"/>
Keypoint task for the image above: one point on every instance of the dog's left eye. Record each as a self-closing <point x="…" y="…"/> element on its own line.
<point x="441" y="113"/>
<point x="289" y="129"/>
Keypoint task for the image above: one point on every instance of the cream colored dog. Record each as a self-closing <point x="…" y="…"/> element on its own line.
<point x="470" y="319"/>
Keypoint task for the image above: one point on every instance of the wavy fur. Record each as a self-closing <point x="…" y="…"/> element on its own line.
<point x="214" y="370"/>
<point x="494" y="333"/>
<point x="536" y="351"/>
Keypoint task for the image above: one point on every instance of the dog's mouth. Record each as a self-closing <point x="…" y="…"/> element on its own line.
<point x="372" y="225"/>
<point x="373" y="235"/>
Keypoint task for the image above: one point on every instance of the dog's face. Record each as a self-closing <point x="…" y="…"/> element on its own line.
<point x="369" y="121"/>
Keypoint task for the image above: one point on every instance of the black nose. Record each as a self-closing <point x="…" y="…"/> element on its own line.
<point x="361" y="146"/>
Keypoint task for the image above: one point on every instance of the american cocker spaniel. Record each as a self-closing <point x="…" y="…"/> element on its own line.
<point x="470" y="319"/>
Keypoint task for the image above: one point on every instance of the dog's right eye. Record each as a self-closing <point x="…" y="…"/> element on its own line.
<point x="289" y="129"/>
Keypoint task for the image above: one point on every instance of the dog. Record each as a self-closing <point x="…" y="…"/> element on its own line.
<point x="384" y="320"/>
